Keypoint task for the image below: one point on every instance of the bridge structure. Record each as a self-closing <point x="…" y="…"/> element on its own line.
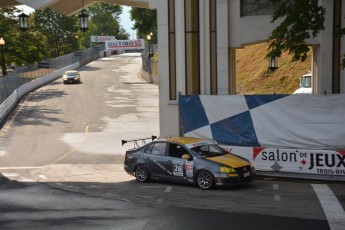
<point x="198" y="39"/>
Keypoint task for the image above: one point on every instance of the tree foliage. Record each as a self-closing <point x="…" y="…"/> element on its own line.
<point x="300" y="20"/>
<point x="145" y="22"/>
<point x="20" y="48"/>
<point x="106" y="18"/>
<point x="59" y="30"/>
<point x="51" y="34"/>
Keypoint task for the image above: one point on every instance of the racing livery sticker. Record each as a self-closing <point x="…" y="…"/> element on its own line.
<point x="189" y="169"/>
<point x="178" y="168"/>
<point x="162" y="167"/>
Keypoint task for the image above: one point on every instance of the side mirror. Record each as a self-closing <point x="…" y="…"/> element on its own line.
<point x="186" y="156"/>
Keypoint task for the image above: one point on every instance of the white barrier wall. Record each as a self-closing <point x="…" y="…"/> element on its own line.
<point x="11" y="101"/>
<point x="304" y="163"/>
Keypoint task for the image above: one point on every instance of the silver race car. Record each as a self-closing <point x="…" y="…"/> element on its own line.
<point x="185" y="159"/>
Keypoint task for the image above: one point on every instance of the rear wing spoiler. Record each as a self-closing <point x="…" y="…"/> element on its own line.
<point x="137" y="141"/>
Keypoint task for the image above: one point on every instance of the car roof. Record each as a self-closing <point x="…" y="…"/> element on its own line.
<point x="186" y="140"/>
<point x="71" y="71"/>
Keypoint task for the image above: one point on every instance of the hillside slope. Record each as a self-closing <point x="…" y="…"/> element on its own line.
<point x="254" y="77"/>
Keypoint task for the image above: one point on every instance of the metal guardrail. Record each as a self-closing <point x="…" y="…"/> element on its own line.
<point x="22" y="75"/>
<point x="149" y="64"/>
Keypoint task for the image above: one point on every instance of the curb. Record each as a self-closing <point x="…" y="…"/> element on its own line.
<point x="2" y="179"/>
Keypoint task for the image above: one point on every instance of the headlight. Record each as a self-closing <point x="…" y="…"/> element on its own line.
<point x="252" y="166"/>
<point x="227" y="170"/>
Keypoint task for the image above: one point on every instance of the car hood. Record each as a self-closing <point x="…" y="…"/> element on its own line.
<point x="230" y="160"/>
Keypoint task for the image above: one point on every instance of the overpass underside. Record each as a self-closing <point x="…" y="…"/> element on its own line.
<point x="68" y="7"/>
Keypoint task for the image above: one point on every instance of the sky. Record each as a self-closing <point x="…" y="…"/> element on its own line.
<point x="125" y="20"/>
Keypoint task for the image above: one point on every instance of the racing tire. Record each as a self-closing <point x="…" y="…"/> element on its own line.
<point x="205" y="180"/>
<point x="142" y="174"/>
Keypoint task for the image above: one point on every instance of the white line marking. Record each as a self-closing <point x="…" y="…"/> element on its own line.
<point x="153" y="186"/>
<point x="168" y="189"/>
<point x="42" y="177"/>
<point x="26" y="180"/>
<point x="333" y="210"/>
<point x="15" y="168"/>
<point x="10" y="174"/>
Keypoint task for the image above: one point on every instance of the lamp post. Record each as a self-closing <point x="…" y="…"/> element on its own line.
<point x="148" y="38"/>
<point x="3" y="66"/>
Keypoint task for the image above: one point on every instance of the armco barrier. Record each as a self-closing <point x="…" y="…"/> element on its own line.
<point x="12" y="100"/>
<point x="39" y="82"/>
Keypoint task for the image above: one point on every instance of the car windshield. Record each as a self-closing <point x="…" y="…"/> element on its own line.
<point x="306" y="82"/>
<point x="209" y="150"/>
<point x="71" y="73"/>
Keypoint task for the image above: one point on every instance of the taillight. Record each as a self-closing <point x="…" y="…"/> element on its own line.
<point x="127" y="158"/>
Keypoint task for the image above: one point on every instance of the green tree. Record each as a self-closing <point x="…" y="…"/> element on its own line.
<point x="105" y="18"/>
<point x="20" y="48"/>
<point x="145" y="22"/>
<point x="301" y="20"/>
<point x="59" y="30"/>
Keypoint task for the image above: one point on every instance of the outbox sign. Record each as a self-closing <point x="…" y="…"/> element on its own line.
<point x="318" y="162"/>
<point x="125" y="44"/>
<point x="102" y="38"/>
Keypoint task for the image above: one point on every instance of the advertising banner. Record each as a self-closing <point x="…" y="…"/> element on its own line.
<point x="323" y="163"/>
<point x="279" y="121"/>
<point x="278" y="133"/>
<point x="125" y="44"/>
<point x="102" y="38"/>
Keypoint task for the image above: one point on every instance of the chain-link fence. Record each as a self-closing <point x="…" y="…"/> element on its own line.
<point x="22" y="75"/>
<point x="149" y="65"/>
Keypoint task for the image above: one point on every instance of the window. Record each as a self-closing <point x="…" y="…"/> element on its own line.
<point x="210" y="150"/>
<point x="176" y="150"/>
<point x="156" y="148"/>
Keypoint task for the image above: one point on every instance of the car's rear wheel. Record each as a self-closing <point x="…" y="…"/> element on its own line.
<point x="142" y="173"/>
<point x="205" y="180"/>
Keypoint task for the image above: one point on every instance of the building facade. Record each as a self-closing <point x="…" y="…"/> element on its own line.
<point x="197" y="49"/>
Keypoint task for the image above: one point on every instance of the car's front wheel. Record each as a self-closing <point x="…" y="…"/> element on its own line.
<point x="142" y="173"/>
<point x="205" y="180"/>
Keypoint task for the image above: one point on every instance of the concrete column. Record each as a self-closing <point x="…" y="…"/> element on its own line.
<point x="222" y="47"/>
<point x="325" y="60"/>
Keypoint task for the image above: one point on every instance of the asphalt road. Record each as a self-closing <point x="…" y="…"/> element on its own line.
<point x="61" y="149"/>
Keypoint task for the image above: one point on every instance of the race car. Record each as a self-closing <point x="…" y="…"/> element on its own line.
<point x="190" y="160"/>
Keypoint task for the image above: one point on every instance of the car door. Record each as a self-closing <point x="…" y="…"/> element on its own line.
<point x="182" y="169"/>
<point x="154" y="155"/>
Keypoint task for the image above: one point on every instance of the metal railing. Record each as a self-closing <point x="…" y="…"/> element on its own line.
<point x="20" y="76"/>
<point x="149" y="65"/>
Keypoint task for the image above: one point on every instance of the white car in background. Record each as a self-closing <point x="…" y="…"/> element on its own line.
<point x="71" y="76"/>
<point x="305" y="84"/>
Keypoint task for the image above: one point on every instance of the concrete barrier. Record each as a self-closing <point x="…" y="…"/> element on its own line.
<point x="14" y="98"/>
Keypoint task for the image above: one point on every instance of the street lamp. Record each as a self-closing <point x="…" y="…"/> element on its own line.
<point x="273" y="62"/>
<point x="3" y="66"/>
<point x="83" y="17"/>
<point x="148" y="38"/>
<point x="23" y="22"/>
